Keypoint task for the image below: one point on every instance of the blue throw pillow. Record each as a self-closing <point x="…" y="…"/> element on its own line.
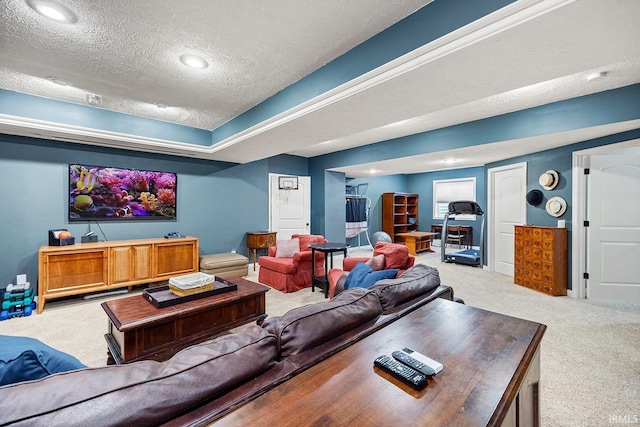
<point x="24" y="359"/>
<point x="363" y="276"/>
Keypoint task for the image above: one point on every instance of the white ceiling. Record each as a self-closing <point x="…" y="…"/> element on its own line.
<point x="530" y="53"/>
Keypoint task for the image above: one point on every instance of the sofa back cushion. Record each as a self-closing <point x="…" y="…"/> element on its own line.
<point x="306" y="239"/>
<point x="395" y="254"/>
<point x="305" y="327"/>
<point x="418" y="280"/>
<point x="141" y="393"/>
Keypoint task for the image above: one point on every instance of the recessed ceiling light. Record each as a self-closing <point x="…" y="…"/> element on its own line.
<point x="53" y="10"/>
<point x="58" y="81"/>
<point x="160" y="104"/>
<point x="596" y="76"/>
<point x="194" y="61"/>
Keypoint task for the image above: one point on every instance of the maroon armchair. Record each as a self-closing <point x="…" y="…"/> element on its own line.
<point x="291" y="273"/>
<point x="395" y="256"/>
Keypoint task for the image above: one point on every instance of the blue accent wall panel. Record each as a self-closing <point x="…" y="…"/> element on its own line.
<point x="334" y="217"/>
<point x="289" y="165"/>
<point x="35" y="107"/>
<point x="217" y="202"/>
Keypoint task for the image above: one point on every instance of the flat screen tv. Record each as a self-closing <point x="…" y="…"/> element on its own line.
<point x="99" y="193"/>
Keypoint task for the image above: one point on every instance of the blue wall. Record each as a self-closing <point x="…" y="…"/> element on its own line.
<point x="217" y="202"/>
<point x="558" y="159"/>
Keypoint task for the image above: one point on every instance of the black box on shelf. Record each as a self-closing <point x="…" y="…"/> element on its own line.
<point x="55" y="240"/>
<point x="89" y="239"/>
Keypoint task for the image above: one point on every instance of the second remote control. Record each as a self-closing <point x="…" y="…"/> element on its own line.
<point x="407" y="375"/>
<point x="415" y="364"/>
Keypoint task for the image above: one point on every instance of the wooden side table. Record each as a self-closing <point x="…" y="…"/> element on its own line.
<point x="259" y="240"/>
<point x="327" y="249"/>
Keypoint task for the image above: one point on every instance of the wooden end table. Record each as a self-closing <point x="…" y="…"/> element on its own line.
<point x="259" y="240"/>
<point x="140" y="331"/>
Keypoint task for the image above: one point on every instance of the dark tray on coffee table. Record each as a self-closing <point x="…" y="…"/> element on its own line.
<point x="161" y="296"/>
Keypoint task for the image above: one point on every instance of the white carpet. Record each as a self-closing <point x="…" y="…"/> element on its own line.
<point x="590" y="351"/>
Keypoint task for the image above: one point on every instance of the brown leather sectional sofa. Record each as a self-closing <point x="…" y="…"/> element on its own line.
<point x="204" y="382"/>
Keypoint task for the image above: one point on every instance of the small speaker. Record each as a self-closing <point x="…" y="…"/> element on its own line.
<point x="89" y="239"/>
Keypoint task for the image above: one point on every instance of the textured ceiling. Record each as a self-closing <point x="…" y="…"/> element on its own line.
<point x="128" y="51"/>
<point x="530" y="53"/>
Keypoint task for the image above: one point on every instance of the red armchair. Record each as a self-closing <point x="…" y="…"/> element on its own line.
<point x="395" y="256"/>
<point x="290" y="274"/>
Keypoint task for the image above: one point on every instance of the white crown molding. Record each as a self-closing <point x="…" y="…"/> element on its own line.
<point x="512" y="15"/>
<point x="35" y="128"/>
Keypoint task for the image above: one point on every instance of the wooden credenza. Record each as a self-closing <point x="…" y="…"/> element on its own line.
<point x="540" y="258"/>
<point x="94" y="267"/>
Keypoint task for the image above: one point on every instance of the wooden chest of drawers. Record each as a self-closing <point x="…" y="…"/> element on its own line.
<point x="540" y="259"/>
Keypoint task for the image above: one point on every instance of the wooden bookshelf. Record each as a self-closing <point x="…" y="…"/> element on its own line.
<point x="399" y="214"/>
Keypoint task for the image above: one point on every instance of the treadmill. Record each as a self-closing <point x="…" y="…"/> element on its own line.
<point x="471" y="257"/>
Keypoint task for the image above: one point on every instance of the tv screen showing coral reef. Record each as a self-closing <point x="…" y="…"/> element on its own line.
<point x="107" y="193"/>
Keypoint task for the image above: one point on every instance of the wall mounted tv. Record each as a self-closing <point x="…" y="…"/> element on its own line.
<point x="105" y="193"/>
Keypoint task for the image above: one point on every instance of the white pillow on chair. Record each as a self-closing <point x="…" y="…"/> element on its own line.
<point x="287" y="248"/>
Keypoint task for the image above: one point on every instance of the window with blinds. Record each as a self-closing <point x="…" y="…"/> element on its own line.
<point x="450" y="190"/>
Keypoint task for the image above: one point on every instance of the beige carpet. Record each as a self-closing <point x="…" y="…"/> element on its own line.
<point x="590" y="352"/>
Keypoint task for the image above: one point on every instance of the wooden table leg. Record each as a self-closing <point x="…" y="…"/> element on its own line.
<point x="410" y="242"/>
<point x="428" y="245"/>
<point x="254" y="259"/>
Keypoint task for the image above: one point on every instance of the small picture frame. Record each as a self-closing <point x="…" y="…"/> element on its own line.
<point x="288" y="182"/>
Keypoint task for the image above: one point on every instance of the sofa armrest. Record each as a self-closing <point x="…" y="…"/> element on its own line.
<point x="349" y="263"/>
<point x="271" y="251"/>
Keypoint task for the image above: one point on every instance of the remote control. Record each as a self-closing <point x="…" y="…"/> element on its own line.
<point x="413" y="363"/>
<point x="436" y="366"/>
<point x="407" y="375"/>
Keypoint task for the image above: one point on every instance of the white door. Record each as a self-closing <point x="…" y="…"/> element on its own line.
<point x="613" y="235"/>
<point x="507" y="199"/>
<point x="290" y="210"/>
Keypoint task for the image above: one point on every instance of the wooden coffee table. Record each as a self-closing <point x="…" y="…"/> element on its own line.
<point x="140" y="331"/>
